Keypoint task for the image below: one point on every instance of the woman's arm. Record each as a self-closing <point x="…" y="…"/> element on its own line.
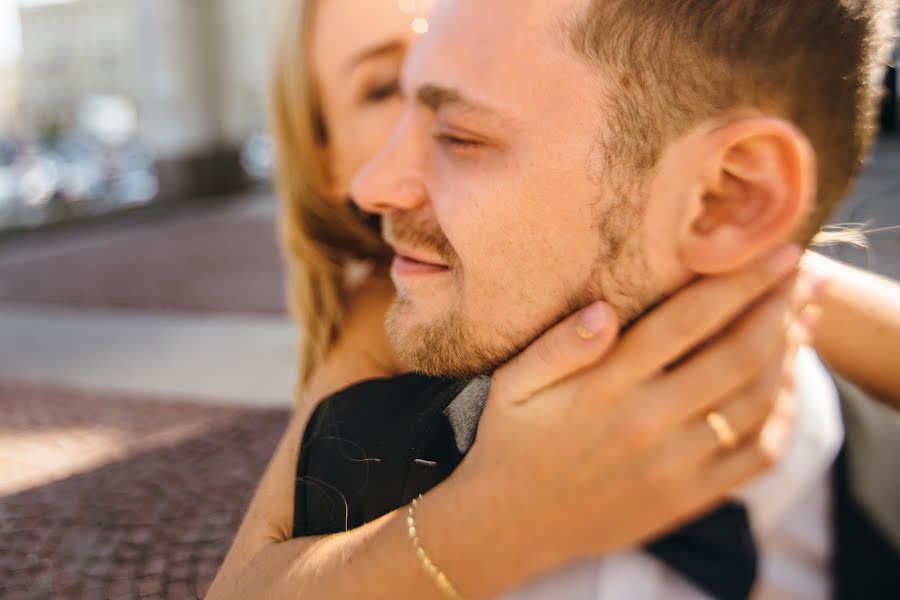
<point x="373" y="561"/>
<point x="362" y="352"/>
<point x="859" y="332"/>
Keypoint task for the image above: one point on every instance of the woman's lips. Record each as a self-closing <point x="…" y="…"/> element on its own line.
<point x="405" y="265"/>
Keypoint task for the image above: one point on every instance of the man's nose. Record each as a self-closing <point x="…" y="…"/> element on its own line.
<point x="392" y="180"/>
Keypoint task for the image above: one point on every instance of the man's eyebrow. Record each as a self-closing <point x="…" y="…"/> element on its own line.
<point x="436" y="97"/>
<point x="377" y="50"/>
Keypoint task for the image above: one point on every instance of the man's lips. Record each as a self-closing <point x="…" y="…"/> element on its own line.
<point x="409" y="262"/>
<point x="415" y="255"/>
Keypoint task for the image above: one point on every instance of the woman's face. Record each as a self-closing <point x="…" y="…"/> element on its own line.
<point x="358" y="48"/>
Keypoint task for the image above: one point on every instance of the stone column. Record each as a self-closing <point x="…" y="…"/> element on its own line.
<point x="181" y="106"/>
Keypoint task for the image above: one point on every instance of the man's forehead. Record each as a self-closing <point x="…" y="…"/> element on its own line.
<point x="474" y="14"/>
<point x="506" y="27"/>
<point x="493" y="48"/>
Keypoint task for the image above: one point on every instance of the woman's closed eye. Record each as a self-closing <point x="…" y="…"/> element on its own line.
<point x="381" y="92"/>
<point x="449" y="139"/>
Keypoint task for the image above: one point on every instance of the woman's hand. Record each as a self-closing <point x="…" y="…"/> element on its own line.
<point x="586" y="446"/>
<point x="583" y="450"/>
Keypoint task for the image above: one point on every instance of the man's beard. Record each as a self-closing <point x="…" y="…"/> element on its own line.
<point x="447" y="346"/>
<point x="443" y="347"/>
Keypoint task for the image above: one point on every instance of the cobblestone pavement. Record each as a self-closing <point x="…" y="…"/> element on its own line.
<point x="149" y="514"/>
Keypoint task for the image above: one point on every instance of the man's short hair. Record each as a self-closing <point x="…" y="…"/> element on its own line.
<point x="674" y="63"/>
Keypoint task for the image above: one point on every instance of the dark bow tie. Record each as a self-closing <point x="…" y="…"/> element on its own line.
<point x="372" y="448"/>
<point x="715" y="552"/>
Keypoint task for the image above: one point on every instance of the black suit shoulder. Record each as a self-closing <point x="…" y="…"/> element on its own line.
<point x="362" y="445"/>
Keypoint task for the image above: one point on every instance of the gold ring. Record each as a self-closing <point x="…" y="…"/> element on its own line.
<point x="725" y="434"/>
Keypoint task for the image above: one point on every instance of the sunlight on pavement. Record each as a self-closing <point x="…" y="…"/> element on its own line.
<point x="33" y="458"/>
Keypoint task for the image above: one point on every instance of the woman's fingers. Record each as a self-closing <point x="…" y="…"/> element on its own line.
<point x="728" y="470"/>
<point x="566" y="348"/>
<point x="728" y="363"/>
<point x="694" y="314"/>
<point x="810" y="285"/>
<point x="714" y="472"/>
<point x="745" y="408"/>
<point x="745" y="413"/>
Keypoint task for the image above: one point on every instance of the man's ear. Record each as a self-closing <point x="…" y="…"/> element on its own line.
<point x="754" y="186"/>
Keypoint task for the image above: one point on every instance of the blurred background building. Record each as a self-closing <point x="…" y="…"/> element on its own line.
<point x="112" y="103"/>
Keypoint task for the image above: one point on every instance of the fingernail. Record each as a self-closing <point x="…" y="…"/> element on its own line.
<point x="785" y="259"/>
<point x="593" y="320"/>
<point x="804" y="287"/>
<point x="803" y="335"/>
<point x="810" y="317"/>
<point x="817" y="286"/>
<point x="790" y="382"/>
<point x="814" y="281"/>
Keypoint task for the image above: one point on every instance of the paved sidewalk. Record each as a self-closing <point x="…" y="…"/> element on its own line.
<point x="187" y="304"/>
<point x="220" y="358"/>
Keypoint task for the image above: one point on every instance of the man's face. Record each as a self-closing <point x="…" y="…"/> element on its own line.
<point x="494" y="192"/>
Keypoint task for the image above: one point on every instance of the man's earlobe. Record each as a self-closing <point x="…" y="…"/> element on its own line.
<point x="758" y="188"/>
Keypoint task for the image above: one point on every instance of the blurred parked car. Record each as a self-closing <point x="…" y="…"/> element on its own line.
<point x="9" y="182"/>
<point x="9" y="190"/>
<point x="76" y="175"/>
<point x="97" y="166"/>
<point x="258" y="156"/>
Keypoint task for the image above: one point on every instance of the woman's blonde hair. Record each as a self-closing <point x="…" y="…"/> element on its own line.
<point x="320" y="236"/>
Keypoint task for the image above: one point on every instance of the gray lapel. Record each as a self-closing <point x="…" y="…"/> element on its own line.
<point x="873" y="456"/>
<point x="465" y="411"/>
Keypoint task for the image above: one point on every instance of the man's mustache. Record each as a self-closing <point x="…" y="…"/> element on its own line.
<point x="413" y="230"/>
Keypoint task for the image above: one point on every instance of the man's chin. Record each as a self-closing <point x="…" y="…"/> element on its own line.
<point x="441" y="346"/>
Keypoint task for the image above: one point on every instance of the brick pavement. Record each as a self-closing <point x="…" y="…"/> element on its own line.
<point x="224" y="259"/>
<point x="152" y="511"/>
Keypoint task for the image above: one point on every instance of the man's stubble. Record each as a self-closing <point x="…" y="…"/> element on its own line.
<point x="447" y="346"/>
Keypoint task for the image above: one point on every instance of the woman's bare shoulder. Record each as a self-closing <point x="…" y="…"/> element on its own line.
<point x="363" y="350"/>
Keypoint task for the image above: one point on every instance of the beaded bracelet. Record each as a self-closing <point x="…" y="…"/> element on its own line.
<point x="436" y="574"/>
